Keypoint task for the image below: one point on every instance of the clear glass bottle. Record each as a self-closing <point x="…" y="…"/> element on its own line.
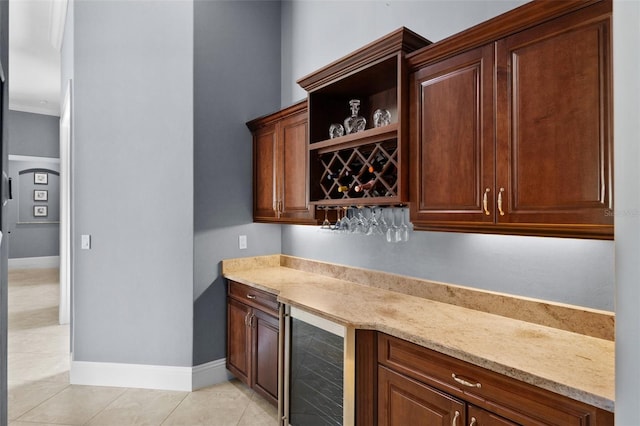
<point x="354" y="123"/>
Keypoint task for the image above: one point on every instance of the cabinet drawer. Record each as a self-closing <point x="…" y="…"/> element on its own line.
<point x="515" y="400"/>
<point x="254" y="297"/>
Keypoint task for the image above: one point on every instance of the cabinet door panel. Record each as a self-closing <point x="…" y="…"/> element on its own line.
<point x="264" y="192"/>
<point x="452" y="139"/>
<point x="554" y="139"/>
<point x="238" y="339"/>
<point x="265" y="330"/>
<point x="294" y="159"/>
<point x="403" y="401"/>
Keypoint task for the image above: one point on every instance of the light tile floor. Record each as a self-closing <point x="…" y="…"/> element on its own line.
<point x="39" y="389"/>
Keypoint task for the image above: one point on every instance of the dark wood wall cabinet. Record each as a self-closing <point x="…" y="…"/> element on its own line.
<point x="253" y="331"/>
<point x="411" y="385"/>
<point x="280" y="167"/>
<point x="511" y="125"/>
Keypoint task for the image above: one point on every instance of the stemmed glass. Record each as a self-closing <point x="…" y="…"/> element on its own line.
<point x="326" y="224"/>
<point x="403" y="229"/>
<point x="392" y="231"/>
<point x="374" y="225"/>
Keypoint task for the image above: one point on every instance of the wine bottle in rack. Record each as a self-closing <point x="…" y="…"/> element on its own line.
<point x="378" y="163"/>
<point x="344" y="180"/>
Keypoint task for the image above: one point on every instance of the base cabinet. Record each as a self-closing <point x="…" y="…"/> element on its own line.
<point x="253" y="331"/>
<point x="413" y="385"/>
<point x="404" y="401"/>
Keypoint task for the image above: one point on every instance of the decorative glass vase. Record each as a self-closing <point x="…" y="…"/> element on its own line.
<point x="336" y="130"/>
<point x="354" y="123"/>
<point x="382" y="117"/>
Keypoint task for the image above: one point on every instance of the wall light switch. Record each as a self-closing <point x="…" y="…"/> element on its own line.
<point x="242" y="242"/>
<point x="86" y="242"/>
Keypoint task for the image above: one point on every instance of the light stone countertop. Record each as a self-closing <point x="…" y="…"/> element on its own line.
<point x="578" y="366"/>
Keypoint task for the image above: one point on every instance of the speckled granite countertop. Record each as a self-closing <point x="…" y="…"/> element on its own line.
<point x="574" y="364"/>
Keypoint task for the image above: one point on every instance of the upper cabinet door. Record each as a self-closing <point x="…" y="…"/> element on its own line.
<point x="264" y="184"/>
<point x="554" y="142"/>
<point x="293" y="155"/>
<point x="452" y="140"/>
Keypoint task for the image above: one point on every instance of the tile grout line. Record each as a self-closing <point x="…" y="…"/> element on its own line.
<point x="174" y="409"/>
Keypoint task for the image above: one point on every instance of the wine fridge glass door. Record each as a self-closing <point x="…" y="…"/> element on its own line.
<point x="319" y="371"/>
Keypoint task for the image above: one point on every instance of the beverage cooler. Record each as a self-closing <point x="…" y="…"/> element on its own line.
<point x="318" y="380"/>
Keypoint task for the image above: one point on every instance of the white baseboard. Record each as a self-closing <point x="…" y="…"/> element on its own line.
<point x="210" y="374"/>
<point x="35" y="262"/>
<point x="148" y="376"/>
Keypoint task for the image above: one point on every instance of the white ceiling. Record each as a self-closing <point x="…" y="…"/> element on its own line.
<point x="35" y="34"/>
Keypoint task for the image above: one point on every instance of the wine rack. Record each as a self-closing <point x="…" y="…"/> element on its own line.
<point x="365" y="174"/>
<point x="369" y="167"/>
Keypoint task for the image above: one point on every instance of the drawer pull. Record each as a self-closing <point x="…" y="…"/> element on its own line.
<point x="474" y="421"/>
<point x="454" y="422"/>
<point x="251" y="296"/>
<point x="465" y="382"/>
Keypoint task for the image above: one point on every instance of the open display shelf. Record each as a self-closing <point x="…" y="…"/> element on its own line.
<point x="376" y="157"/>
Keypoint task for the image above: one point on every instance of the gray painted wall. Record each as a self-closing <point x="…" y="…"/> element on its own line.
<point x="236" y="78"/>
<point x="34" y="134"/>
<point x="133" y="154"/>
<point x="565" y="270"/>
<point x="626" y="57"/>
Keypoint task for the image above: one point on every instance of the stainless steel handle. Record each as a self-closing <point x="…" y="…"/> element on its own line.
<point x="473" y="421"/>
<point x="500" y="202"/>
<point x="251" y="296"/>
<point x="465" y="382"/>
<point x="454" y="422"/>
<point x="485" y="201"/>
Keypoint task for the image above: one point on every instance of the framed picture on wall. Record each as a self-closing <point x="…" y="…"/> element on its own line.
<point x="40" y="195"/>
<point x="41" y="178"/>
<point x="40" y="211"/>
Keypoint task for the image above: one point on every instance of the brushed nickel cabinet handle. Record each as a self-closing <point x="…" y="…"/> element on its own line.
<point x="465" y="382"/>
<point x="474" y="421"/>
<point x="454" y="422"/>
<point x="251" y="296"/>
<point x="500" y="202"/>
<point x="485" y="201"/>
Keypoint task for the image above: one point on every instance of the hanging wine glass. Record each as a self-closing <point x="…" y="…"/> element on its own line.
<point x="392" y="233"/>
<point x="326" y="224"/>
<point x="403" y="229"/>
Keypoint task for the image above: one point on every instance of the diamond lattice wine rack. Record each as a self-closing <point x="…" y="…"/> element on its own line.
<point x="370" y="166"/>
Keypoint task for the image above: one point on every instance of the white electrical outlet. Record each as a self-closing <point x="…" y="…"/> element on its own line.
<point x="242" y="242"/>
<point x="86" y="242"/>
